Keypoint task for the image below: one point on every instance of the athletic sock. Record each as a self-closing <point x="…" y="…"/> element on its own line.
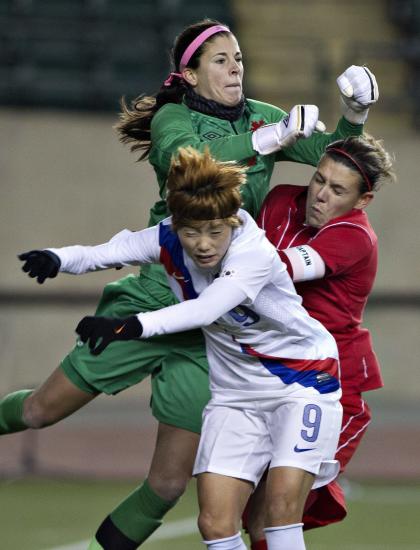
<point x="109" y="537"/>
<point x="259" y="545"/>
<point x="228" y="543"/>
<point x="134" y="519"/>
<point x="11" y="412"/>
<point x="285" y="537"/>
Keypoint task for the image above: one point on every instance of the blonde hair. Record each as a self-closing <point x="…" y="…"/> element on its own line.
<point x="202" y="188"/>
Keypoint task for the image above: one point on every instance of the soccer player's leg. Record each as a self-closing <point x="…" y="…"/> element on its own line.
<point x="142" y="512"/>
<point x="67" y="389"/>
<point x="179" y="393"/>
<point x="327" y="504"/>
<point x="219" y="516"/>
<point x="54" y="400"/>
<point x="233" y="453"/>
<point x="301" y="459"/>
<point x="286" y="492"/>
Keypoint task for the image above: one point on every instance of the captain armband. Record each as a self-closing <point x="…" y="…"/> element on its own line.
<point x="306" y="263"/>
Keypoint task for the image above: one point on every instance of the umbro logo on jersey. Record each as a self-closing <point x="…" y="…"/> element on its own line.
<point x="211" y="135"/>
<point x="302" y="450"/>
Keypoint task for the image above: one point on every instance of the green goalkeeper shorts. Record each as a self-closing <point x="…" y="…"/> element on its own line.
<point x="177" y="362"/>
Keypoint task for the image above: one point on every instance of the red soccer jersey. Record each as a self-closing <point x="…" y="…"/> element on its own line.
<point x="348" y="246"/>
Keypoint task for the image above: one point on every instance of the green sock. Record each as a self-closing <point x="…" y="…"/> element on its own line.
<point x="141" y="513"/>
<point x="11" y="412"/>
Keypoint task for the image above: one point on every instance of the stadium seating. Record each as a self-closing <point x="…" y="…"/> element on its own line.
<point x="86" y="54"/>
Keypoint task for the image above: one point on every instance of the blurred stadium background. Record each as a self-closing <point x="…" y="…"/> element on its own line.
<point x="64" y="64"/>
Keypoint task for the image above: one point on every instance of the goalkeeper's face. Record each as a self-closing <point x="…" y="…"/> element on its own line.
<point x="219" y="75"/>
<point x="333" y="191"/>
<point x="206" y="242"/>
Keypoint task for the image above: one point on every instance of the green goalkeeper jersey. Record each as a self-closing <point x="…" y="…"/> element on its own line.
<point x="175" y="126"/>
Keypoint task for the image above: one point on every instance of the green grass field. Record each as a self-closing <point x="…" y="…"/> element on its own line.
<point x="39" y="514"/>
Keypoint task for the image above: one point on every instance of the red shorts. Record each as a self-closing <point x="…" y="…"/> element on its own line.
<point x="327" y="504"/>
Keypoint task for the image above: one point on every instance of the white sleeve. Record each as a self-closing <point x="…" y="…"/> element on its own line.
<point x="216" y="300"/>
<point x="125" y="248"/>
<point x="306" y="263"/>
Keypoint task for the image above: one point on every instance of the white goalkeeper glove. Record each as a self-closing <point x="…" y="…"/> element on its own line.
<point x="359" y="90"/>
<point x="300" y="122"/>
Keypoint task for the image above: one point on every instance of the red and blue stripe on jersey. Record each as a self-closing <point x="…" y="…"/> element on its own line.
<point x="172" y="259"/>
<point x="320" y="374"/>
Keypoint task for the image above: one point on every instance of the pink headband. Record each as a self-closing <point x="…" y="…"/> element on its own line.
<point x="192" y="48"/>
<point x="196" y="43"/>
<point x="354" y="161"/>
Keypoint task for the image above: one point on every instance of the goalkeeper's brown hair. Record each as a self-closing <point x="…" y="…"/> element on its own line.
<point x="203" y="188"/>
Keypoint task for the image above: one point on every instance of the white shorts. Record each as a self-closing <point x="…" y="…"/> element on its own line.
<point x="299" y="432"/>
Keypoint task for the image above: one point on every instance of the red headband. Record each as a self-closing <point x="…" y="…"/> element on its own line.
<point x="354" y="161"/>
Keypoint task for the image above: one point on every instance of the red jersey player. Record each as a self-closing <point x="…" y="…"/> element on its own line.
<point x="324" y="236"/>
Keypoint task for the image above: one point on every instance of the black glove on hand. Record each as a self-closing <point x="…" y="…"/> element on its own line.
<point x="40" y="264"/>
<point x="109" y="329"/>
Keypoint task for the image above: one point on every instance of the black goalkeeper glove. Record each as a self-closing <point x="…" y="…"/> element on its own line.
<point x="41" y="264"/>
<point x="108" y="329"/>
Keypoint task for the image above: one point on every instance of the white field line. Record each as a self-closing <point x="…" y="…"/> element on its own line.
<point x="168" y="531"/>
<point x="355" y="492"/>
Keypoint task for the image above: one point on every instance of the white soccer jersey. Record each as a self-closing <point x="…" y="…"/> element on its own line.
<point x="260" y="341"/>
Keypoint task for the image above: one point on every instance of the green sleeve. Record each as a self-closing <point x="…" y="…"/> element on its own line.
<point x="172" y="128"/>
<point x="310" y="150"/>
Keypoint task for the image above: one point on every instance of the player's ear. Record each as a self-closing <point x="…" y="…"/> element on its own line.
<point x="190" y="76"/>
<point x="364" y="200"/>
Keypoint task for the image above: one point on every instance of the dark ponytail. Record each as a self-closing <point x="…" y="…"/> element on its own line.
<point x="135" y="119"/>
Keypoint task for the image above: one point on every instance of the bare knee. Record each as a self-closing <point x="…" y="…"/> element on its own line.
<point x="284" y="509"/>
<point x="173" y="461"/>
<point x="169" y="484"/>
<point x="286" y="493"/>
<point x="212" y="526"/>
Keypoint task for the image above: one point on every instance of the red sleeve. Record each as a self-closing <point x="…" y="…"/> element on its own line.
<point x="342" y="245"/>
<point x="275" y="206"/>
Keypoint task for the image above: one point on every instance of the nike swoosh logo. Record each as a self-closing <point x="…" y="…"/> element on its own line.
<point x="299" y="450"/>
<point x="119" y="329"/>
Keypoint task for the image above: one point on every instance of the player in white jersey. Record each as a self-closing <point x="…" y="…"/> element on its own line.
<point x="273" y="369"/>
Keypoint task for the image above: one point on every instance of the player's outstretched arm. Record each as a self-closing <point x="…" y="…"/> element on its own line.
<point x="359" y="90"/>
<point x="126" y="248"/>
<point x="217" y="299"/>
<point x="40" y="264"/>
